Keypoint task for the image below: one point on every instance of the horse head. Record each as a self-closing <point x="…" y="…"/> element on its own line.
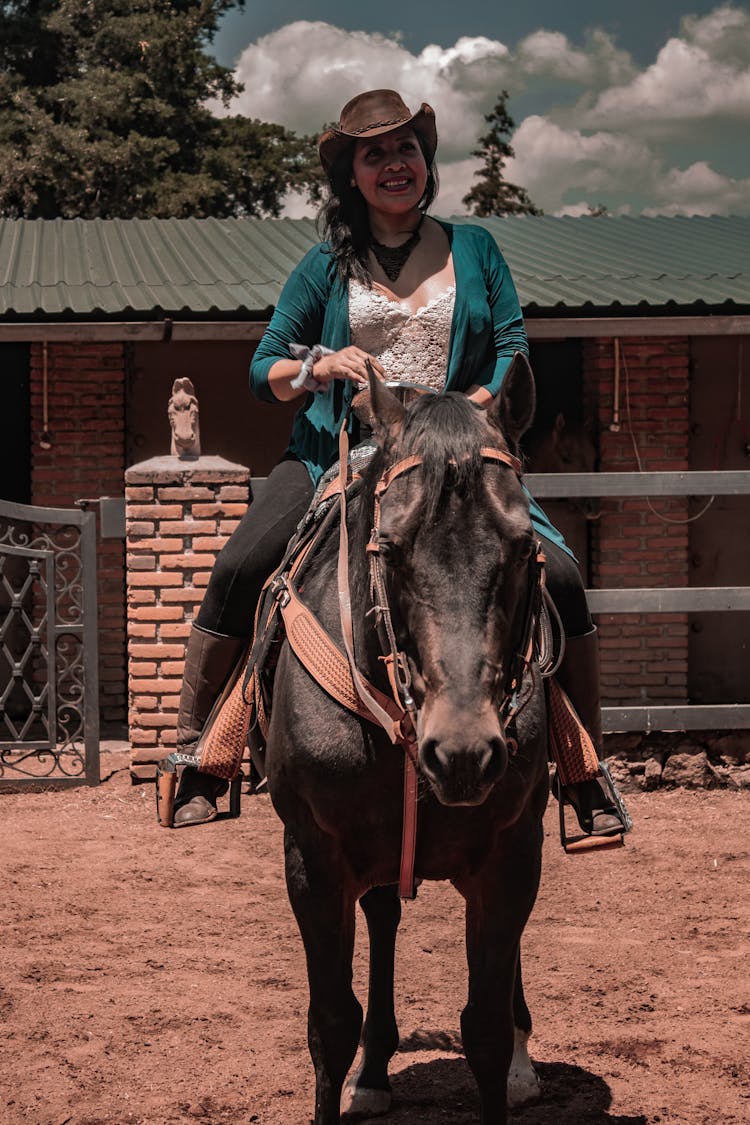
<point x="455" y="544"/>
<point x="183" y="419"/>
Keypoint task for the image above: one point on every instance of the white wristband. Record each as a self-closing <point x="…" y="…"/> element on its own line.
<point x="309" y="356"/>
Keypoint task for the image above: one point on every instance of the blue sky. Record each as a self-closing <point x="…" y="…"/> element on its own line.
<point x="643" y="105"/>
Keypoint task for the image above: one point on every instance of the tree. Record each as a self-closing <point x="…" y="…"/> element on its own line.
<point x="103" y="114"/>
<point x="493" y="195"/>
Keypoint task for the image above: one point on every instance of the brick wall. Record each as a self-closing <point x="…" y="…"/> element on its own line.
<point x="86" y="410"/>
<point x="644" y="657"/>
<point x="178" y="517"/>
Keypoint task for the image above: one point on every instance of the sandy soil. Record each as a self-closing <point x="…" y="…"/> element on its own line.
<point x="157" y="977"/>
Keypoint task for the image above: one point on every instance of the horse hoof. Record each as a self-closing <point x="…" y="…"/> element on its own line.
<point x="523" y="1081"/>
<point x="358" y="1101"/>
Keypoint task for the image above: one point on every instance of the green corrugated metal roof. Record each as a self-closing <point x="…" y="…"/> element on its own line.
<point x="139" y="268"/>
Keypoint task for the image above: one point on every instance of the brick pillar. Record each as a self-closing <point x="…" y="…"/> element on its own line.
<point x="644" y="657"/>
<point x="179" y="515"/>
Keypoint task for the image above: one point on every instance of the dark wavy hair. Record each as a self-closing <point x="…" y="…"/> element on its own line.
<point x="343" y="222"/>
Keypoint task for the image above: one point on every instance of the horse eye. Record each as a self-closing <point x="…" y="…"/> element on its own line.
<point x="525" y="549"/>
<point x="390" y="552"/>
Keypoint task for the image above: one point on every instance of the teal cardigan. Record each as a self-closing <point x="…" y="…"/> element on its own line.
<point x="313" y="308"/>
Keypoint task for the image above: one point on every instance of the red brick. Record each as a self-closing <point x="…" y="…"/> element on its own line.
<point x="232" y="492"/>
<point x="141" y="737"/>
<point x="190" y="493"/>
<point x="182" y="562"/>
<point x="207" y="511"/>
<point x="141" y="597"/>
<point x="154" y="686"/>
<point x="156" y="613"/>
<point x="186" y="527"/>
<point x="160" y="545"/>
<point x="141" y="629"/>
<point x="173" y="667"/>
<point x="159" y="579"/>
<point x="157" y="720"/>
<point x="143" y="668"/>
<point x="154" y="511"/>
<point x="141" y="562"/>
<point x="212" y="544"/>
<point x="158" y="651"/>
<point x="168" y="631"/>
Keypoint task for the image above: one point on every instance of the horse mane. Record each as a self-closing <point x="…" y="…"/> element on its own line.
<point x="445" y="432"/>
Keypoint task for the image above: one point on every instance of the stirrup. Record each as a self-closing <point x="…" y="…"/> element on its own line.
<point x="166" y="786"/>
<point x="585" y="842"/>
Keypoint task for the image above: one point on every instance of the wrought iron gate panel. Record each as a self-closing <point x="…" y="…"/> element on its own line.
<point x="49" y="707"/>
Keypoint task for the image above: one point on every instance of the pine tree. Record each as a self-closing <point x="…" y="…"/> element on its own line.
<point x="103" y="114"/>
<point x="494" y="195"/>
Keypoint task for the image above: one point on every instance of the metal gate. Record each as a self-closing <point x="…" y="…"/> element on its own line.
<point x="49" y="706"/>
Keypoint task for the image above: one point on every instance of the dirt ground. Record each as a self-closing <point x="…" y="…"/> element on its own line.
<point x="157" y="977"/>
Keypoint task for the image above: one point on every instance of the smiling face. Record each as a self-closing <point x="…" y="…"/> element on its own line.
<point x="390" y="171"/>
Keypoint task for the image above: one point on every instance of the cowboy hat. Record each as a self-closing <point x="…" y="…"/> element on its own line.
<point x="373" y="113"/>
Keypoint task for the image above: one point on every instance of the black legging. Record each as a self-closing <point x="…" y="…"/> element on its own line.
<point x="256" y="548"/>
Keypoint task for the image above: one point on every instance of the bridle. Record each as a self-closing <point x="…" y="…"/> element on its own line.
<point x="535" y="639"/>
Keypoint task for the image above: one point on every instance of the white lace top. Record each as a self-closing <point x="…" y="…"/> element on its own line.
<point x="413" y="347"/>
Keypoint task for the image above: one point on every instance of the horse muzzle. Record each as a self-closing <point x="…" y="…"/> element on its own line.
<point x="462" y="758"/>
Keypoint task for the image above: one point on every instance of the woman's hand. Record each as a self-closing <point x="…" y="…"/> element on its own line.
<point x="348" y="363"/>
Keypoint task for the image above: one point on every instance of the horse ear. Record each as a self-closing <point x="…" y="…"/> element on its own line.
<point x="387" y="412"/>
<point x="512" y="408"/>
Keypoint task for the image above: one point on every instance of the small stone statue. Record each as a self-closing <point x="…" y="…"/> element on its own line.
<point x="183" y="418"/>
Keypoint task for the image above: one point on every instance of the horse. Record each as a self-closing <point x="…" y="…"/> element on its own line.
<point x="458" y="552"/>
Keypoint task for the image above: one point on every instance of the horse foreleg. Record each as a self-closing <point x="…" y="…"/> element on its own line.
<point x="498" y="904"/>
<point x="325" y="916"/>
<point x="369" y="1090"/>
<point x="523" y="1081"/>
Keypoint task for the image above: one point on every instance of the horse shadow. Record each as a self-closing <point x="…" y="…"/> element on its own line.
<point x="443" y="1090"/>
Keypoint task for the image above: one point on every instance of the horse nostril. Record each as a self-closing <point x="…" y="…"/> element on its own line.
<point x="495" y="759"/>
<point x="431" y="760"/>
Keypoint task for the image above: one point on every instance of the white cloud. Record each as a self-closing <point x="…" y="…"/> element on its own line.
<point x="556" y="165"/>
<point x="550" y="55"/>
<point x="723" y="33"/>
<point x="702" y="75"/>
<point x="700" y="190"/>
<point x="552" y="161"/>
<point x="302" y="75"/>
<point x="604" y="144"/>
<point x="455" y="180"/>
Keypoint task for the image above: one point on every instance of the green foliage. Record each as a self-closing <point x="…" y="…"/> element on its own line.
<point x="493" y="195"/>
<point x="103" y="114"/>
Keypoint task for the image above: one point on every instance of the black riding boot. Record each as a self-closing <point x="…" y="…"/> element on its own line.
<point x="578" y="675"/>
<point x="209" y="661"/>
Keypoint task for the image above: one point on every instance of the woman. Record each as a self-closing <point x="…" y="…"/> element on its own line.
<point x="422" y="300"/>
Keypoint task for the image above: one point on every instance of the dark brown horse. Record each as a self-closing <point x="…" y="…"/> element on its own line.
<point x="459" y="550"/>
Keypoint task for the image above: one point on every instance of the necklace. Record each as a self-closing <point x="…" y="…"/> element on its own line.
<point x="392" y="259"/>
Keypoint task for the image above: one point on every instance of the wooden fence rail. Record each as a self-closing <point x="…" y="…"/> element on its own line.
<point x="688" y="599"/>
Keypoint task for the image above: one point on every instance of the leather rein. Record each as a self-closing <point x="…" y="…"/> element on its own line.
<point x="400" y="725"/>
